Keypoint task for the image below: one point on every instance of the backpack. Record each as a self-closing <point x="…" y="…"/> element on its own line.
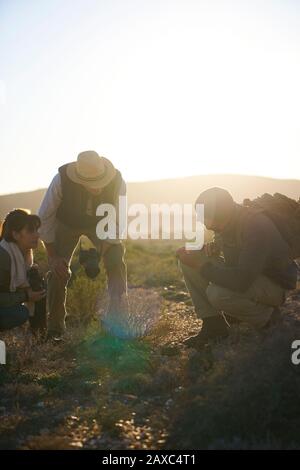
<point x="285" y="213"/>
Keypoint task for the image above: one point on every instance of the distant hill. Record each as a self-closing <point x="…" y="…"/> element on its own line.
<point x="187" y="189"/>
<point x="181" y="190"/>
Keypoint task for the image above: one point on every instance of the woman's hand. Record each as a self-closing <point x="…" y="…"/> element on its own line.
<point x="35" y="296"/>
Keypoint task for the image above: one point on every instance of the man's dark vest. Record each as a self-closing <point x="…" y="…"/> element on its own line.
<point x="72" y="209"/>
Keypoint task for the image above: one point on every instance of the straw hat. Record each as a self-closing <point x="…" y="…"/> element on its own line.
<point x="91" y="170"/>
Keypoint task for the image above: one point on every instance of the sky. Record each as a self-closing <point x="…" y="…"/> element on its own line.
<point x="163" y="88"/>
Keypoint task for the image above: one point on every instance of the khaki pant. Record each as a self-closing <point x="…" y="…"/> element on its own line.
<point x="66" y="240"/>
<point x="253" y="306"/>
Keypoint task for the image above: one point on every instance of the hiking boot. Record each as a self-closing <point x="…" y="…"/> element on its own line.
<point x="54" y="336"/>
<point x="213" y="328"/>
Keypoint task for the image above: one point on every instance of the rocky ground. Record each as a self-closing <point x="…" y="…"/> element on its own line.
<point x="95" y="391"/>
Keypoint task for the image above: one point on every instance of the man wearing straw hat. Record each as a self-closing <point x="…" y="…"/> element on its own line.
<point x="68" y="211"/>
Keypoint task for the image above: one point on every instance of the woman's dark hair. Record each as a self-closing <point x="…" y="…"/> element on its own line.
<point x="16" y="220"/>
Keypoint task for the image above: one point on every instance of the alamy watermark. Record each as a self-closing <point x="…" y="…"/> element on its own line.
<point x="158" y="221"/>
<point x="296" y="352"/>
<point x="2" y="352"/>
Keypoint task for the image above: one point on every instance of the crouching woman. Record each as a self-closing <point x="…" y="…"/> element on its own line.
<point x="19" y="236"/>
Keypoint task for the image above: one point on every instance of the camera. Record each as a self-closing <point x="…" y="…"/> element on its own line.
<point x="36" y="279"/>
<point x="37" y="282"/>
<point x="90" y="259"/>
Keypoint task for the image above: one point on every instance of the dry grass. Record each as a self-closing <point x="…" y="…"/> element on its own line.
<point x="94" y="391"/>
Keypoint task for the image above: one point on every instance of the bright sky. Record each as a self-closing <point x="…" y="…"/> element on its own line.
<point x="164" y="88"/>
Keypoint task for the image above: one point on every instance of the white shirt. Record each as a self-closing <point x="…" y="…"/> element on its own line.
<point x="51" y="202"/>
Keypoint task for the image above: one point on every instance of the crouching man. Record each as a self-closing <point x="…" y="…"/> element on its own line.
<point x="250" y="281"/>
<point x="68" y="211"/>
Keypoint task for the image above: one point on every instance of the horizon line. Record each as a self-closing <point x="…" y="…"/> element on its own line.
<point x="176" y="178"/>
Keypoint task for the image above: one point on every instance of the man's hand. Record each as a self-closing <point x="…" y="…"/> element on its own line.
<point x="35" y="296"/>
<point x="193" y="258"/>
<point x="60" y="266"/>
<point x="211" y="249"/>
